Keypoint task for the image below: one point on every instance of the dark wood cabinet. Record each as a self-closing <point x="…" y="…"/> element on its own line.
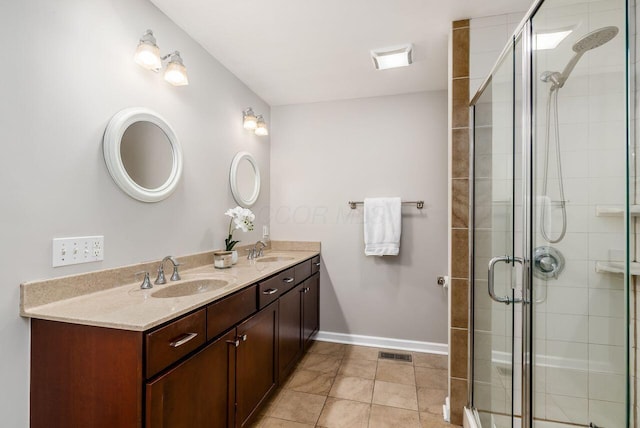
<point x="299" y="319"/>
<point x="211" y="368"/>
<point x="195" y="393"/>
<point x="256" y="357"/>
<point x="85" y="376"/>
<point x="310" y="308"/>
<point x="290" y="331"/>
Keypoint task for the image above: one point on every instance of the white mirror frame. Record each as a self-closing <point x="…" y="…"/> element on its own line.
<point x="233" y="179"/>
<point x="111" y="148"/>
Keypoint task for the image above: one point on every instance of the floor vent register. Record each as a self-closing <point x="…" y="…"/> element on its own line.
<point x="394" y="356"/>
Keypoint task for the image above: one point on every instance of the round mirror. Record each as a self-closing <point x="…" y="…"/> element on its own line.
<point x="244" y="179"/>
<point x="143" y="154"/>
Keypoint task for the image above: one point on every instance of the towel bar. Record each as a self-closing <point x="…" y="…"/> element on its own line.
<point x="419" y="204"/>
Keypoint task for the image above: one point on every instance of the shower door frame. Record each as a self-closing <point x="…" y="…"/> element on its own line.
<point x="523" y="34"/>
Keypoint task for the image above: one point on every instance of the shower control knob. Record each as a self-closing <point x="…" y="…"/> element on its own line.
<point x="547" y="264"/>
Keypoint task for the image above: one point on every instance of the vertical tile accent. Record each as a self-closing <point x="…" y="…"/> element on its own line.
<point x="459" y="316"/>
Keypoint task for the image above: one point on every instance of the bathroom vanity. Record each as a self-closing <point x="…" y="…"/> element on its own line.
<point x="122" y="357"/>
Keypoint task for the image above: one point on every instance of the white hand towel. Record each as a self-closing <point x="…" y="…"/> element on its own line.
<point x="382" y="226"/>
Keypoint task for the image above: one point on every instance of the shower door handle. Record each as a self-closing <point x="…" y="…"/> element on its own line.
<point x="490" y="280"/>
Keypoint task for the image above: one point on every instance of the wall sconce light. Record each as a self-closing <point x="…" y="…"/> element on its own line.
<point x="148" y="53"/>
<point x="175" y="72"/>
<point x="392" y="57"/>
<point x="254" y="122"/>
<point x="249" y="119"/>
<point x="148" y="56"/>
<point x="261" y="127"/>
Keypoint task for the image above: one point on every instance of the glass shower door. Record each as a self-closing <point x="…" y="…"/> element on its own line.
<point x="496" y="258"/>
<point x="579" y="200"/>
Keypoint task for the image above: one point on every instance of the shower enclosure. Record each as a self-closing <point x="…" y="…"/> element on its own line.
<point x="555" y="203"/>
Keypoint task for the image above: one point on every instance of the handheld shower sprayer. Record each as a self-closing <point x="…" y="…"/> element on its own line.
<point x="557" y="79"/>
<point x="589" y="41"/>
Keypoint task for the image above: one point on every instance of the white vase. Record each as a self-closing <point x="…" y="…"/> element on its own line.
<point x="234" y="257"/>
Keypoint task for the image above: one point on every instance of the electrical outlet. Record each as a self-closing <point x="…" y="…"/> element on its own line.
<point x="82" y="249"/>
<point x="265" y="231"/>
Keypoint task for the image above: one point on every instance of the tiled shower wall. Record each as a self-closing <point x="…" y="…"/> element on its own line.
<point x="459" y="221"/>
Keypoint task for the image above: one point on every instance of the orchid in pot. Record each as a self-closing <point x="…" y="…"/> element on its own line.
<point x="241" y="218"/>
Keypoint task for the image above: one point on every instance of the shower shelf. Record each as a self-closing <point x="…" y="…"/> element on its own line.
<point x="616" y="210"/>
<point x="617" y="267"/>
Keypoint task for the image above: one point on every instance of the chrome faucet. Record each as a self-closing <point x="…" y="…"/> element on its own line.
<point x="174" y="277"/>
<point x="146" y="283"/>
<point x="254" y="253"/>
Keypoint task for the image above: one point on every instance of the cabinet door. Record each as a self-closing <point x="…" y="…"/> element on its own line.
<point x="256" y="362"/>
<point x="289" y="331"/>
<point x="310" y="307"/>
<point x="196" y="393"/>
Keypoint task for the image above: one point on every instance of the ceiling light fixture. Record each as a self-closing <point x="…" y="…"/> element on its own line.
<point x="261" y="127"/>
<point x="249" y="119"/>
<point x="148" y="56"/>
<point x="550" y="39"/>
<point x="400" y="56"/>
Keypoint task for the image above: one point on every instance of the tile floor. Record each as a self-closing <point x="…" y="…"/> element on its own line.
<point x="344" y="386"/>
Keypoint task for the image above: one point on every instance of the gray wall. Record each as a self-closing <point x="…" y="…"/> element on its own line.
<point x="68" y="68"/>
<point x="326" y="154"/>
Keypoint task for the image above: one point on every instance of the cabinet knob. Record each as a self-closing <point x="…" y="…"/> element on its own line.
<point x="305" y="289"/>
<point x="235" y="343"/>
<point x="244" y="337"/>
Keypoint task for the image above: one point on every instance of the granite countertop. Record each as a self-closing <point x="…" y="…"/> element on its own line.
<point x="90" y="299"/>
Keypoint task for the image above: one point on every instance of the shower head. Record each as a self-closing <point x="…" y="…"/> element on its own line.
<point x="589" y="41"/>
<point x="595" y="39"/>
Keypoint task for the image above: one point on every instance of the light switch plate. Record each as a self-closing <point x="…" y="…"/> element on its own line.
<point x="81" y="249"/>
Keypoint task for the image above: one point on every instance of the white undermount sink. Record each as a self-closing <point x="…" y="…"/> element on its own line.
<point x="190" y="287"/>
<point x="273" y="259"/>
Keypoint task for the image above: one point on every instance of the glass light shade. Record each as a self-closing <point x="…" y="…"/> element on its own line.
<point x="261" y="127"/>
<point x="249" y="119"/>
<point x="148" y="56"/>
<point x="392" y="58"/>
<point x="175" y="72"/>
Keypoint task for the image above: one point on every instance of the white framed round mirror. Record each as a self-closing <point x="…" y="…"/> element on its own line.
<point x="143" y="154"/>
<point x="244" y="179"/>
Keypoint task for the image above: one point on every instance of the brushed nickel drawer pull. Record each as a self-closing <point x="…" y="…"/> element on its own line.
<point x="317" y="264"/>
<point x="186" y="338"/>
<point x="287" y="280"/>
<point x="270" y="291"/>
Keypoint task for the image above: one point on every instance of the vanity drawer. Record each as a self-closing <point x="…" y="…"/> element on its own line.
<point x="231" y="310"/>
<point x="315" y="264"/>
<point x="272" y="288"/>
<point x="302" y="271"/>
<point x="175" y="340"/>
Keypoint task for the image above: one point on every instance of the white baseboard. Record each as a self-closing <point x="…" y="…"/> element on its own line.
<point x="383" y="342"/>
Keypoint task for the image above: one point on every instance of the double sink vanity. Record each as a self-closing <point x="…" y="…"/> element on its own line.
<point x="206" y="350"/>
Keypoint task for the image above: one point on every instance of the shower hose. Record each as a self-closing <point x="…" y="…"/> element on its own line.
<point x="552" y="104"/>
